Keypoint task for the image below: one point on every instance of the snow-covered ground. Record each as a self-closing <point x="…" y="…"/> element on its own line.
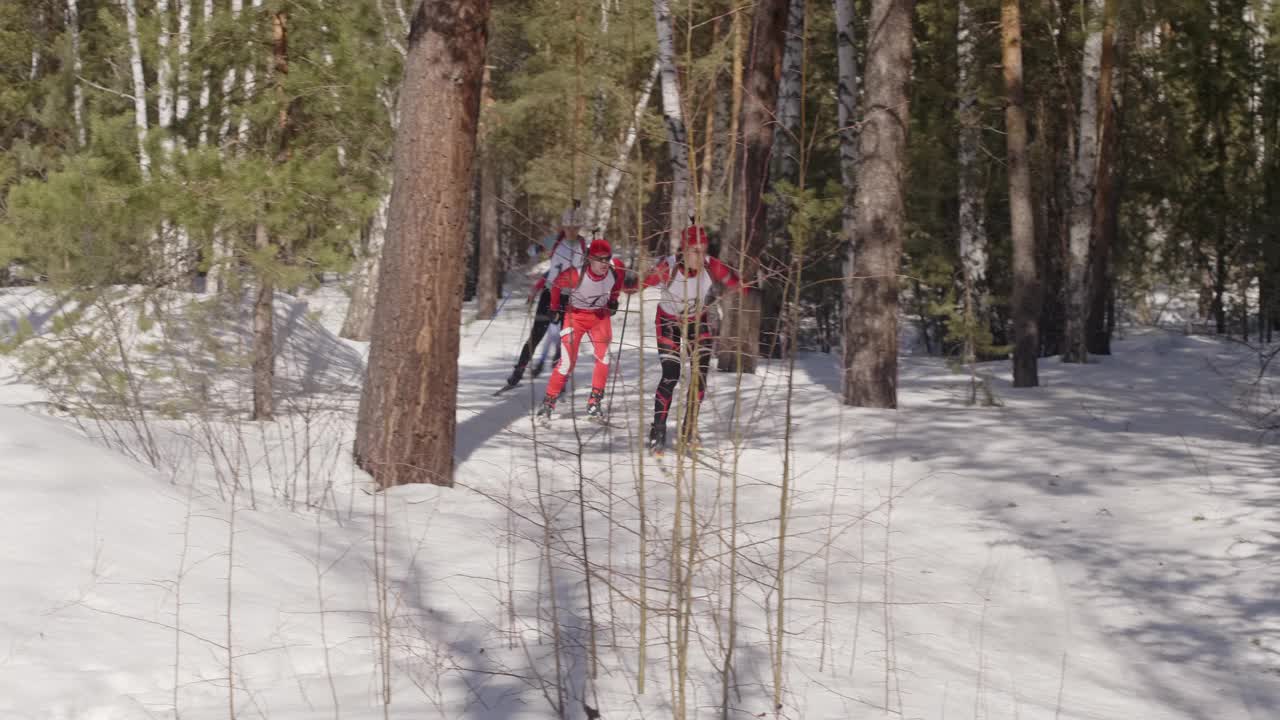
<point x="1100" y="547"/>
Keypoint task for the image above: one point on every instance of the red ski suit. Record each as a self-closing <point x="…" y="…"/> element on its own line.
<point x="585" y="298"/>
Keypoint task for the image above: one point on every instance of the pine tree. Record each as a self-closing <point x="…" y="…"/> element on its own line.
<point x="871" y="319"/>
<point x="405" y="431"/>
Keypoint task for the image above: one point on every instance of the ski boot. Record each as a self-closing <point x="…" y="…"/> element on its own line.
<point x="657" y="443"/>
<point x="543" y="416"/>
<point x="595" y="412"/>
<point x="513" y="380"/>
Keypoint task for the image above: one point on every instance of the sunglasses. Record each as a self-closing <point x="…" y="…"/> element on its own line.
<point x="599" y="258"/>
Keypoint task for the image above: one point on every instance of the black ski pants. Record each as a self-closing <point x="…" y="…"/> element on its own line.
<point x="541" y="321"/>
<point x="673" y="332"/>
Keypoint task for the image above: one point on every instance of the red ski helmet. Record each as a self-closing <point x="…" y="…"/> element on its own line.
<point x="600" y="248"/>
<point x="693" y="236"/>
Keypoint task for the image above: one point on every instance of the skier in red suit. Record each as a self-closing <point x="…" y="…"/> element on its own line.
<point x="585" y="300"/>
<point x="686" y="281"/>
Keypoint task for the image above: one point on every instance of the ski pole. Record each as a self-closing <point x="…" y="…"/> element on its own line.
<point x="501" y="305"/>
<point x="617" y="357"/>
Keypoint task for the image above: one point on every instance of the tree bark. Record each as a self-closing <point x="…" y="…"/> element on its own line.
<point x="182" y="103"/>
<point x="487" y="274"/>
<point x="139" y="88"/>
<point x="164" y="81"/>
<point x="264" y="307"/>
<point x="847" y="114"/>
<point x="786" y="140"/>
<point x="735" y="108"/>
<point x="1026" y="280"/>
<point x="206" y="27"/>
<point x="1105" y="205"/>
<point x="871" y="319"/>
<point x="229" y="84"/>
<point x="1084" y="173"/>
<point x="746" y="235"/>
<point x="77" y="67"/>
<point x="673" y="115"/>
<point x="973" y="238"/>
<point x="405" y="432"/>
<point x="264" y="356"/>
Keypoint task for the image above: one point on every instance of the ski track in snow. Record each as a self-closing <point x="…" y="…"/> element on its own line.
<point x="1100" y="547"/>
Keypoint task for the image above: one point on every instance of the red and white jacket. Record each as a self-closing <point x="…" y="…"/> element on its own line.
<point x="565" y="254"/>
<point x="683" y="293"/>
<point x="580" y="290"/>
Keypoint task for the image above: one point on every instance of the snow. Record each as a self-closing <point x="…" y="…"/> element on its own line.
<point x="1099" y="547"/>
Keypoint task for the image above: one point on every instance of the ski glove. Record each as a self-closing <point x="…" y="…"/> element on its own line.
<point x="557" y="317"/>
<point x="613" y="307"/>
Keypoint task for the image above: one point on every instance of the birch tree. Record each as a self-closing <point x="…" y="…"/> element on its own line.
<point x="139" y="87"/>
<point x="600" y="201"/>
<point x="358" y="324"/>
<point x="206" y="25"/>
<point x="182" y="103"/>
<point x="164" y="81"/>
<point x="77" y="68"/>
<point x="673" y="117"/>
<point x="973" y="240"/>
<point x="1084" y="169"/>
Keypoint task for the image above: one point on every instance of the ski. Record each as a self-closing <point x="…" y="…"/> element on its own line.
<point x="505" y="388"/>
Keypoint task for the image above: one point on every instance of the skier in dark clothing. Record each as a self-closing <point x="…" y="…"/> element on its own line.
<point x="682" y="318"/>
<point x="567" y="252"/>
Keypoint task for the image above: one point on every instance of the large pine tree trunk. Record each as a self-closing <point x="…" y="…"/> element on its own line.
<point x="77" y="68"/>
<point x="746" y="236"/>
<point x="786" y="139"/>
<point x="735" y="108"/>
<point x="406" y="427"/>
<point x="139" y="87"/>
<point x="973" y="239"/>
<point x="847" y="113"/>
<point x="1026" y="281"/>
<point x="871" y="318"/>
<point x="673" y="115"/>
<point x="1084" y="171"/>
<point x="785" y="169"/>
<point x="1105" y="204"/>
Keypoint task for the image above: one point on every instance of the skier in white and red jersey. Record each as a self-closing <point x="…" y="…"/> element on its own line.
<point x="585" y="301"/>
<point x="567" y="252"/>
<point x="682" y="314"/>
